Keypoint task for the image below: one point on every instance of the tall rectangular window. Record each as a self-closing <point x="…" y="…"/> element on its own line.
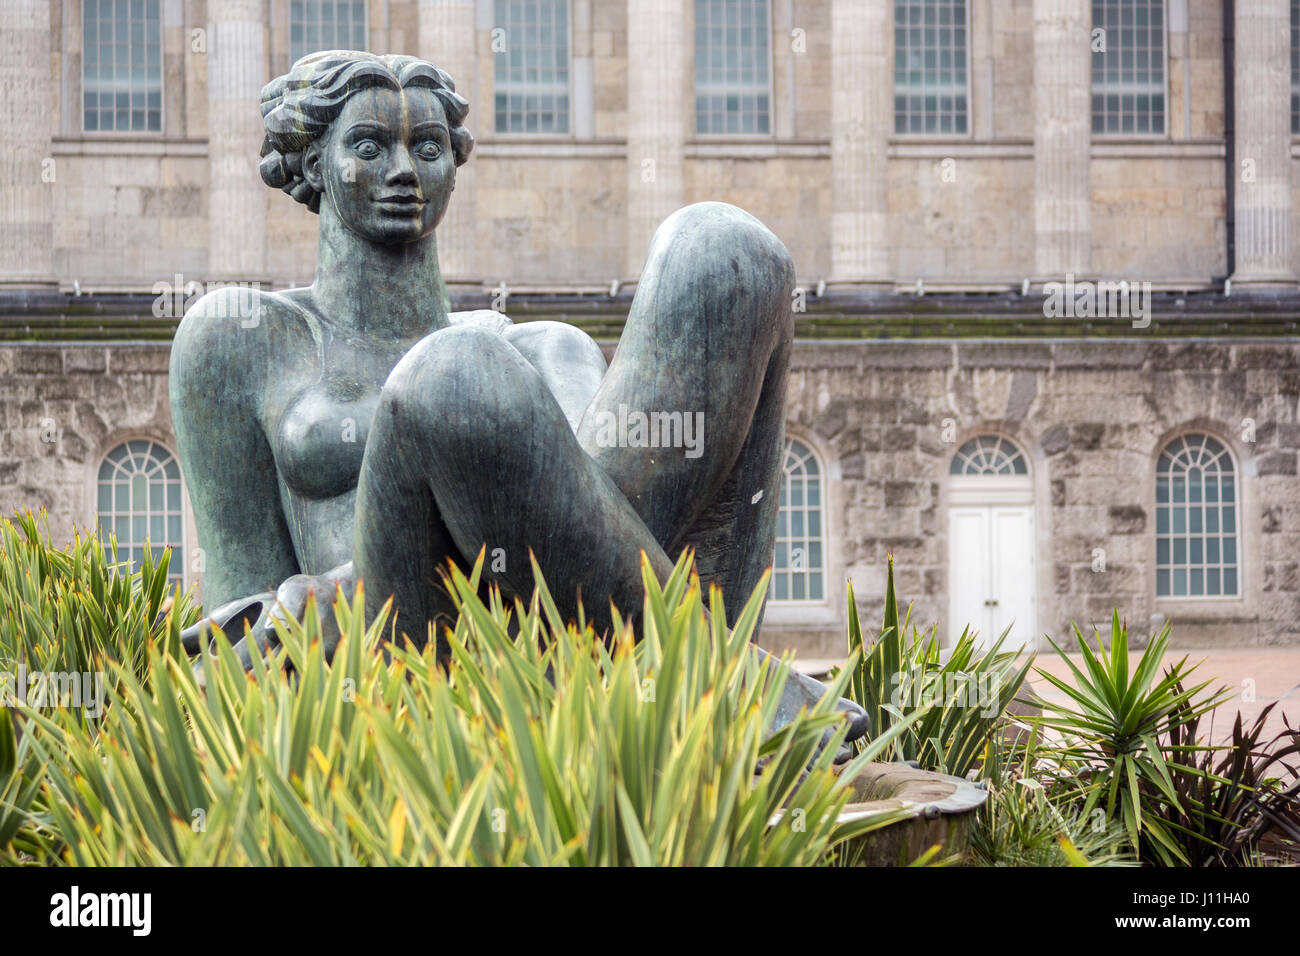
<point x="1128" y="67"/>
<point x="316" y="25"/>
<point x="733" y="85"/>
<point x="121" y="77"/>
<point x="531" y="73"/>
<point x="1295" y="67"/>
<point x="931" y="90"/>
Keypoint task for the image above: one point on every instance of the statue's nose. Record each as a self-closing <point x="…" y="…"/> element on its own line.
<point x="403" y="168"/>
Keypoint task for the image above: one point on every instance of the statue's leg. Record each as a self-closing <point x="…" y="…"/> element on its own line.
<point x="468" y="450"/>
<point x="708" y="338"/>
<point x="709" y="333"/>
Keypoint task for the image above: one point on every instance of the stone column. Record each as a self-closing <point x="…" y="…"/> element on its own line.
<point x="656" y="121"/>
<point x="862" y="118"/>
<point x="237" y="71"/>
<point x="28" y="174"/>
<point x="1062" y="138"/>
<point x="1262" y="144"/>
<point x="447" y="40"/>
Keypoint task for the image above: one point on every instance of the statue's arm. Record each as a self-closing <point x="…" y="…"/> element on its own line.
<point x="215" y="386"/>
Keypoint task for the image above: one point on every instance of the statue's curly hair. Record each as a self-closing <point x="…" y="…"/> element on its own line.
<point x="299" y="107"/>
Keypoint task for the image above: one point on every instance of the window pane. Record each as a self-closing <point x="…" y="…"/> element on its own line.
<point x="1196" y="548"/>
<point x="121" y="63"/>
<point x="732" y="82"/>
<point x="798" y="562"/>
<point x="139" y="499"/>
<point x="531" y="71"/>
<point x="930" y="91"/>
<point x="1128" y="79"/>
<point x="316" y="25"/>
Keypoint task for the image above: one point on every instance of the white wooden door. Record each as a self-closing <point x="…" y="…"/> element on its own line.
<point x="991" y="573"/>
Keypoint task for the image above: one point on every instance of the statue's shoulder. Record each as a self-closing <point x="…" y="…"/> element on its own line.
<point x="488" y="319"/>
<point x="239" y="308"/>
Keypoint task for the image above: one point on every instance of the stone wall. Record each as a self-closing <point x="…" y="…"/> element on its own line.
<point x="64" y="407"/>
<point x="885" y="418"/>
<point x="1092" y="416"/>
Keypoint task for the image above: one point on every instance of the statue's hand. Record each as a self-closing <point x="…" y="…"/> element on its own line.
<point x="289" y="601"/>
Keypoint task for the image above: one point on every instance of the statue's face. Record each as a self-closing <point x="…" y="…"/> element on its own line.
<point x="386" y="164"/>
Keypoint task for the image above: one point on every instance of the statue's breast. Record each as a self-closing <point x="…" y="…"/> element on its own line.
<point x="322" y="437"/>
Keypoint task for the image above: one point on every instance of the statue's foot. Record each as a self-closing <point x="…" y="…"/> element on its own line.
<point x="802" y="692"/>
<point x="250" y="622"/>
<point x="232" y="617"/>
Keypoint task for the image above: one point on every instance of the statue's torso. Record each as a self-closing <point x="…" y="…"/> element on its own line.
<point x="316" y="415"/>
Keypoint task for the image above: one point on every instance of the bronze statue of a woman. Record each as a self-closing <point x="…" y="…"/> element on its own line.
<point x="353" y="429"/>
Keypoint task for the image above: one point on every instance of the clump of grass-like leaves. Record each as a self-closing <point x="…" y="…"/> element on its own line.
<point x="951" y="703"/>
<point x="539" y="744"/>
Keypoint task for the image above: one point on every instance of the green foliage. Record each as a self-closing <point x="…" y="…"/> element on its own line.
<point x="1030" y="818"/>
<point x="1113" y="725"/>
<point x="957" y="701"/>
<point x="67" y="615"/>
<point x="1230" y="810"/>
<point x="69" y="610"/>
<point x="540" y="744"/>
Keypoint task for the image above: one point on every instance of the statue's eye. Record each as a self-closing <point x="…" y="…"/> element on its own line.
<point x="367" y="149"/>
<point x="429" y="150"/>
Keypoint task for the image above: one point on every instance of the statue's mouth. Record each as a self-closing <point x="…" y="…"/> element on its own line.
<point x="404" y="202"/>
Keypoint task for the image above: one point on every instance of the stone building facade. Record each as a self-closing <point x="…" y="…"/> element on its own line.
<point x="926" y="260"/>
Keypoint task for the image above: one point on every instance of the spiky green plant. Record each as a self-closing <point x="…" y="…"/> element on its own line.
<point x="1031" y="817"/>
<point x="958" y="700"/>
<point x="1113" y="722"/>
<point x="68" y="610"/>
<point x="539" y="744"/>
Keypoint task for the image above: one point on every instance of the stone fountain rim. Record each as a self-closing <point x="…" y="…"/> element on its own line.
<point x="913" y="791"/>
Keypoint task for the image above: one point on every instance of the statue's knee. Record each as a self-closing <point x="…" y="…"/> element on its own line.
<point x="441" y="366"/>
<point x="716" y="233"/>
<point x="459" y="384"/>
<point x="726" y="262"/>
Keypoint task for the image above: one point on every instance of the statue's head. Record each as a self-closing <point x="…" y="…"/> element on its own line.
<point x="379" y="137"/>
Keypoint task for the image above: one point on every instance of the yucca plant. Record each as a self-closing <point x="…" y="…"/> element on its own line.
<point x="1113" y="722"/>
<point x="1031" y="817"/>
<point x="958" y="699"/>
<point x="540" y="744"/>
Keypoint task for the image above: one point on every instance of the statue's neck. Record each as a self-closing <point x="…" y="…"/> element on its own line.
<point x="377" y="290"/>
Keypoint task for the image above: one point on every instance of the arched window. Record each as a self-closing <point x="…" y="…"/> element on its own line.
<point x="799" y="570"/>
<point x="1196" y="520"/>
<point x="139" y="501"/>
<point x="988" y="455"/>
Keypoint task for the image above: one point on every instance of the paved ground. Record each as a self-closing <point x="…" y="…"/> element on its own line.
<point x="1264" y="674"/>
